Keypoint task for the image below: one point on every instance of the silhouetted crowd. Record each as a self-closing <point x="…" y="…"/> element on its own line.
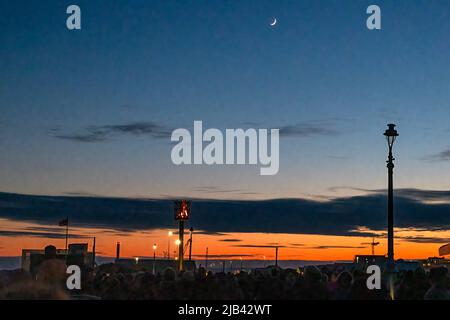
<point x="112" y="281"/>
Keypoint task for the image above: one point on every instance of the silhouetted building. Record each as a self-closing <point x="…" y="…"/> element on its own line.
<point x="407" y="265"/>
<point x="433" y="262"/>
<point x="363" y="261"/>
<point x="77" y="255"/>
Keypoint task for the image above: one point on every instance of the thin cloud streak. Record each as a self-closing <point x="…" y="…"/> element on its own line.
<point x="336" y="247"/>
<point x="257" y="246"/>
<point x="308" y="129"/>
<point x="440" y="156"/>
<point x="103" y="133"/>
<point x="217" y="256"/>
<point x="50" y="235"/>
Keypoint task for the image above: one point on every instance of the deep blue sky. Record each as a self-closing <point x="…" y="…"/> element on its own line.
<point x="168" y="63"/>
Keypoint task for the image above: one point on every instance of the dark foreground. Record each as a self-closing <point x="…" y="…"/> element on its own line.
<point x="113" y="282"/>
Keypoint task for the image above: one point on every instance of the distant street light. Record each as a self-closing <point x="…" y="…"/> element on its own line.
<point x="154" y="256"/>
<point x="391" y="134"/>
<point x="177" y="242"/>
<point x="168" y="244"/>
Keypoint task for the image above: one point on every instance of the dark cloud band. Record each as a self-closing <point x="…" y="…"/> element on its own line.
<point x="340" y="216"/>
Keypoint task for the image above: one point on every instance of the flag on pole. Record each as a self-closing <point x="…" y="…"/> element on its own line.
<point x="64" y="222"/>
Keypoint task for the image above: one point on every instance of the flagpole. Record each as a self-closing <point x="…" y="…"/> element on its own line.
<point x="67" y="236"/>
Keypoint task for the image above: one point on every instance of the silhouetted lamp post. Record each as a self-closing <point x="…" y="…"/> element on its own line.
<point x="154" y="256"/>
<point x="391" y="134"/>
<point x="182" y="210"/>
<point x="168" y="244"/>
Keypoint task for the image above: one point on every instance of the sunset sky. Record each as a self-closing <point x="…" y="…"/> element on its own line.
<point x="248" y="246"/>
<point x="89" y="113"/>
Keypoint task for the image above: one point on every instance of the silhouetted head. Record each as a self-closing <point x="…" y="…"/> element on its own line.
<point x="312" y="274"/>
<point x="52" y="271"/>
<point x="344" y="279"/>
<point x="169" y="274"/>
<point x="201" y="273"/>
<point x="439" y="275"/>
<point x="50" y="252"/>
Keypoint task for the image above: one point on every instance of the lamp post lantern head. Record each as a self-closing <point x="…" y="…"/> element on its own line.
<point x="154" y="246"/>
<point x="391" y="134"/>
<point x="182" y="210"/>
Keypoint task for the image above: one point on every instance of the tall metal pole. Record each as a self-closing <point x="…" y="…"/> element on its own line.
<point x="191" y="230"/>
<point x="390" y="166"/>
<point x="168" y="248"/>
<point x="391" y="261"/>
<point x="67" y="238"/>
<point x="118" y="251"/>
<point x="276" y="256"/>
<point x="67" y="235"/>
<point x="181" y="246"/>
<point x="154" y="257"/>
<point x="391" y="134"/>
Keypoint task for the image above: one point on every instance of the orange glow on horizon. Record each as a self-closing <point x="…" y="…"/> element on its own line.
<point x="249" y="246"/>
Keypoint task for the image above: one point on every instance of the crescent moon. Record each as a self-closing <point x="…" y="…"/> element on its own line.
<point x="274" y="22"/>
